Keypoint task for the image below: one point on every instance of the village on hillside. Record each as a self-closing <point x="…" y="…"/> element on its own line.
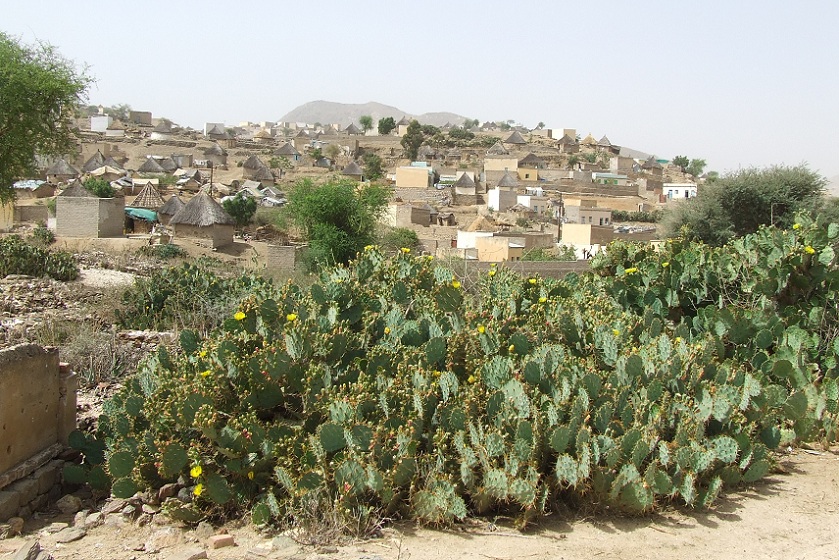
<point x="489" y="192"/>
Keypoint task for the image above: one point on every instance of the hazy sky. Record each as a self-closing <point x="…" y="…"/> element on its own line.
<point x="738" y="83"/>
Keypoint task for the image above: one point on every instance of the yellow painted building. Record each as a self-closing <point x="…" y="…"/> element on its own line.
<point x="413" y="177"/>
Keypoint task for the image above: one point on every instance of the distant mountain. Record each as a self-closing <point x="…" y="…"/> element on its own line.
<point x="345" y="113"/>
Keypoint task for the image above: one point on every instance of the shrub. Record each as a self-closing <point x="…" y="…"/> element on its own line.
<point x="19" y="257"/>
<point x="384" y="389"/>
<point x="42" y="235"/>
<point x="99" y="187"/>
<point x="394" y="239"/>
<point x="165" y="251"/>
<point x="624" y="216"/>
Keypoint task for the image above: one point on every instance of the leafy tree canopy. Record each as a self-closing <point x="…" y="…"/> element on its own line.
<point x="338" y="218"/>
<point x="682" y="162"/>
<point x="413" y="139"/>
<point x="373" y="168"/>
<point x="738" y="203"/>
<point x="99" y="187"/>
<point x="40" y="91"/>
<point x="241" y="208"/>
<point x="386" y="125"/>
<point x="366" y="122"/>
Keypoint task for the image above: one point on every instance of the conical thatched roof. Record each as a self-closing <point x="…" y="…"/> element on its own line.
<point x="330" y="131"/>
<point x="253" y="162"/>
<point x="111" y="162"/>
<point x="481" y="224"/>
<point x="264" y="134"/>
<point x="216" y="130"/>
<point x="498" y="149"/>
<point x="76" y="189"/>
<point x="263" y="174"/>
<point x="589" y="140"/>
<point x="151" y="166"/>
<point x="215" y="150"/>
<point x="171" y="206"/>
<point x="651" y="163"/>
<point x="202" y="211"/>
<point x="286" y="150"/>
<point x="531" y="160"/>
<point x="464" y="181"/>
<point x="515" y="138"/>
<point x="106" y="170"/>
<point x="507" y="181"/>
<point x="148" y="198"/>
<point x="164" y="127"/>
<point x="61" y="167"/>
<point x="168" y="164"/>
<point x="96" y="161"/>
<point x="426" y="152"/>
<point x="404" y="121"/>
<point x="604" y="142"/>
<point x="352" y="129"/>
<point x="352" y="169"/>
<point x="566" y="140"/>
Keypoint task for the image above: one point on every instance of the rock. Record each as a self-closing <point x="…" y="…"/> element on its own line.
<point x="220" y="541"/>
<point x="78" y="519"/>
<point x="150" y="509"/>
<point x="185" y="495"/>
<point x="30" y="551"/>
<point x="163" y="538"/>
<point x="69" y="504"/>
<point x="70" y="534"/>
<point x="167" y="491"/>
<point x="55" y="527"/>
<point x="114" y="506"/>
<point x="128" y="510"/>
<point x="93" y="520"/>
<point x="204" y="531"/>
<point x="192" y="553"/>
<point x="15" y="526"/>
<point x="144" y="519"/>
<point x="327" y="549"/>
<point x="283" y="542"/>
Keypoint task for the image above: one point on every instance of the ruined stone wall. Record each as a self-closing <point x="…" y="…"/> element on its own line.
<point x="37" y="414"/>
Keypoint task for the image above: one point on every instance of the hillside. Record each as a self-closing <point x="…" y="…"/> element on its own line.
<point x="345" y="113"/>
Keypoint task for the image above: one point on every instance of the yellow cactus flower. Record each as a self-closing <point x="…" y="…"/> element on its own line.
<point x="809" y="250"/>
<point x="239" y="315"/>
<point x="615" y="332"/>
<point x="291" y="317"/>
<point x="796" y="226"/>
<point x="532" y="281"/>
<point x="471" y="379"/>
<point x="205" y="373"/>
<point x="455" y="284"/>
<point x="387" y="330"/>
<point x="429" y="258"/>
<point x="195" y="471"/>
<point x="405" y="250"/>
<point x="665" y="264"/>
<point x="368" y="247"/>
<point x="631" y="270"/>
<point x="250" y="475"/>
<point x="678" y="339"/>
<point x="202" y="354"/>
<point x="543" y="299"/>
<point x="491" y="273"/>
<point x="199" y="489"/>
<point x="481" y="329"/>
<point x="512" y="348"/>
<point x="437" y="373"/>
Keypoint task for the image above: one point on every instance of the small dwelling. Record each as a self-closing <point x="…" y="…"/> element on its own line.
<point x="204" y="218"/>
<point x="169" y="209"/>
<point x="80" y="213"/>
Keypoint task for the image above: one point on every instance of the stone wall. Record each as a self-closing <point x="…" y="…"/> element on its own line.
<point x="31" y="214"/>
<point x="37" y="414"/>
<point x="89" y="217"/>
<point x="284" y="257"/>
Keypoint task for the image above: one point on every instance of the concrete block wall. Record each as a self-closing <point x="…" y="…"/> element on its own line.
<point x="89" y="217"/>
<point x="37" y="414"/>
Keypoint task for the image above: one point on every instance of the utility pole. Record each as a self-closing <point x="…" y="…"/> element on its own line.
<point x="559" y="216"/>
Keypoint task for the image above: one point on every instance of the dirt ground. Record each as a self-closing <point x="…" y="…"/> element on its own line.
<point x="792" y="514"/>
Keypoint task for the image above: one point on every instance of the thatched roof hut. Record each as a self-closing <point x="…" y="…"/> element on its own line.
<point x="481" y="223"/>
<point x="507" y="181"/>
<point x="515" y="138"/>
<point x="149" y="198"/>
<point x="168" y="164"/>
<point x="353" y="170"/>
<point x="170" y="208"/>
<point x="61" y="171"/>
<point x="151" y="166"/>
<point x="204" y="218"/>
<point x="215" y="150"/>
<point x="498" y="149"/>
<point x="96" y="161"/>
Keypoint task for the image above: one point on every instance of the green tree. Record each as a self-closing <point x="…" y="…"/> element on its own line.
<point x="40" y="91"/>
<point x="740" y="202"/>
<point x="394" y="239"/>
<point x="386" y="125"/>
<point x="241" y="208"/>
<point x="373" y="168"/>
<point x="333" y="151"/>
<point x="682" y="162"/>
<point x="315" y="154"/>
<point x="366" y="122"/>
<point x="469" y="123"/>
<point x="461" y="134"/>
<point x="99" y="187"/>
<point x="541" y="125"/>
<point x="337" y="217"/>
<point x="696" y="167"/>
<point x="412" y="140"/>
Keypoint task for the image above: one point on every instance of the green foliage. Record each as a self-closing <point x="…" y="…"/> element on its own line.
<point x="241" y="208"/>
<point x="99" y="187"/>
<point x="386" y="125"/>
<point x="165" y="251"/>
<point x="590" y="157"/>
<point x="192" y="295"/>
<point x="412" y="140"/>
<point x="624" y="216"/>
<point x="461" y="134"/>
<point x="19" y="257"/>
<point x="681" y="162"/>
<point x="42" y="236"/>
<point x="384" y="386"/>
<point x="373" y="168"/>
<point x="395" y="239"/>
<point x="696" y="167"/>
<point x="469" y="123"/>
<point x="740" y="202"/>
<point x="562" y="253"/>
<point x="40" y="92"/>
<point x="338" y="219"/>
<point x="366" y="122"/>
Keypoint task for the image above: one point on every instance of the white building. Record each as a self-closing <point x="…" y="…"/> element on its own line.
<point x="678" y="191"/>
